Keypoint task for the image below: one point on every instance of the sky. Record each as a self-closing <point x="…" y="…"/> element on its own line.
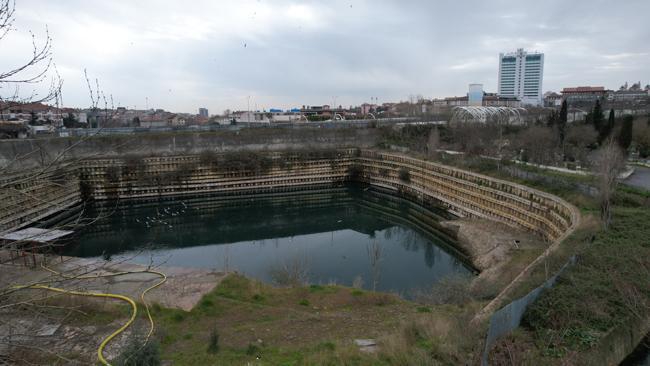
<point x="261" y="54"/>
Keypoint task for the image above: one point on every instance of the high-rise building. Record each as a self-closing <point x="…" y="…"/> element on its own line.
<point x="520" y="75"/>
<point x="475" y="95"/>
<point x="203" y="112"/>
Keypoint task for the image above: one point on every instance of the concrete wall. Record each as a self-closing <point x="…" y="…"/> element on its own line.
<point x="16" y="155"/>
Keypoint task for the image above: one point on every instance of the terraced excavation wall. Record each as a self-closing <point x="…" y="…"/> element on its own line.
<point x="470" y="194"/>
<point x="35" y="194"/>
<point x="462" y="192"/>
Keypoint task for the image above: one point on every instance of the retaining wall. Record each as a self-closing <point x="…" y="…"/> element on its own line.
<point x="35" y="194"/>
<point x="16" y="155"/>
<point x="463" y="193"/>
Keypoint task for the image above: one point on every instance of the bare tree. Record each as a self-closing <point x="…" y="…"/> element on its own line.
<point x="608" y="163"/>
<point x="433" y="142"/>
<point x="537" y="144"/>
<point x="35" y="183"/>
<point x="32" y="73"/>
<point x="374" y="255"/>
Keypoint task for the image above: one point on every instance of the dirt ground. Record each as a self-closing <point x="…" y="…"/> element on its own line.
<point x="497" y="250"/>
<point x="284" y="325"/>
<point x="48" y="323"/>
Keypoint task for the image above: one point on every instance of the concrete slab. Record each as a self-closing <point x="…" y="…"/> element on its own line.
<point x="34" y="234"/>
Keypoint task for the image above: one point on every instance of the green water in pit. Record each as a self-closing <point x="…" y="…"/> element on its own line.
<point x="344" y="235"/>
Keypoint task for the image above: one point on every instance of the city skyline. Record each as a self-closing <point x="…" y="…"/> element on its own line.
<point x="282" y="54"/>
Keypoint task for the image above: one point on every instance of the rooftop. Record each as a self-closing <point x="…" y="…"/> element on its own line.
<point x="584" y="89"/>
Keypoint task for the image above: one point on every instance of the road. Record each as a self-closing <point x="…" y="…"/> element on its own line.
<point x="640" y="178"/>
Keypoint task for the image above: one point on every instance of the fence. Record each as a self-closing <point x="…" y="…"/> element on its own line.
<point x="509" y="317"/>
<point x="362" y="123"/>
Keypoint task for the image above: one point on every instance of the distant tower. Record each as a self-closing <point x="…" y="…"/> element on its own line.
<point x="203" y="112"/>
<point x="520" y="75"/>
<point x="475" y="95"/>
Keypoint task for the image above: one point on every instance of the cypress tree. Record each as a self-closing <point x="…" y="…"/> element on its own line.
<point x="607" y="128"/>
<point x="597" y="117"/>
<point x="625" y="136"/>
<point x="562" y="121"/>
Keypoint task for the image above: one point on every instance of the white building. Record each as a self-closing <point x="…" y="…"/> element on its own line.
<point x="251" y="117"/>
<point x="520" y="75"/>
<point x="475" y="95"/>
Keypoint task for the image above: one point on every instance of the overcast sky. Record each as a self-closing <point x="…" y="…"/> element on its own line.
<point x="182" y="55"/>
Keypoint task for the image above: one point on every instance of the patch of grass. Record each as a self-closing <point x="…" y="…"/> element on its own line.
<point x="168" y="339"/>
<point x="304" y="302"/>
<point x="326" y="346"/>
<point x="156" y="308"/>
<point x="316" y="288"/>
<point x="206" y="303"/>
<point x="423" y="309"/>
<point x="177" y="316"/>
<point x="323" y="289"/>
<point x="608" y="285"/>
<point x="252" y="349"/>
<point x="357" y="292"/>
<point x="234" y="287"/>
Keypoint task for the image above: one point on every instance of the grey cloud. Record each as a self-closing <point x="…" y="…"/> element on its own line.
<point x="182" y="55"/>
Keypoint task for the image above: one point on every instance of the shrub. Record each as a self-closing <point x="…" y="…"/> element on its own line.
<point x="208" y="158"/>
<point x="137" y="353"/>
<point x="246" y="161"/>
<point x="134" y="164"/>
<point x="213" y="342"/>
<point x="252" y="349"/>
<point x="292" y="273"/>
<point x="355" y="172"/>
<point x="112" y="174"/>
<point x="404" y="175"/>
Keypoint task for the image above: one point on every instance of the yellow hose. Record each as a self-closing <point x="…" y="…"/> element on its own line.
<point x="134" y="312"/>
<point x="144" y="302"/>
<point x="146" y="306"/>
<point x="115" y="296"/>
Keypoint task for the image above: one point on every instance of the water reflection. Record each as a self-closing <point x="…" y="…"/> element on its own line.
<point x="342" y="234"/>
